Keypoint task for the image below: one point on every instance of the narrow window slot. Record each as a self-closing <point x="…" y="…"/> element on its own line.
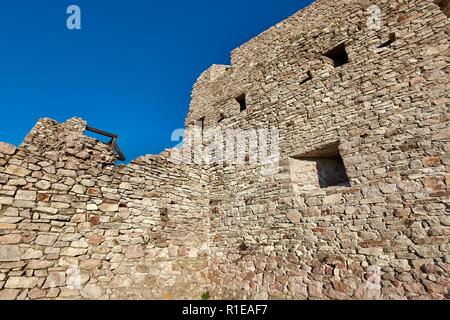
<point x="242" y="102"/>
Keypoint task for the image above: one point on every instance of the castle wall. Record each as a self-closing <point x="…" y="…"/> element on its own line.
<point x="73" y="225"/>
<point x="385" y="236"/>
<point x="296" y="225"/>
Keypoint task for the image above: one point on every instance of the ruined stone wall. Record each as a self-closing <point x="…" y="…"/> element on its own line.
<point x="161" y="228"/>
<point x="73" y="225"/>
<point x="387" y="234"/>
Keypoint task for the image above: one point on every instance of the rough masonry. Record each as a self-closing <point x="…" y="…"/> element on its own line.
<point x="358" y="207"/>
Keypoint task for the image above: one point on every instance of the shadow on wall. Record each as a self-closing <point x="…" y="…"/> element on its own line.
<point x="319" y="169"/>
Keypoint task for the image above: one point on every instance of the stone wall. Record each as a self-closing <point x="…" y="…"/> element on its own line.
<point x="73" y="225"/>
<point x="387" y="234"/>
<point x="160" y="228"/>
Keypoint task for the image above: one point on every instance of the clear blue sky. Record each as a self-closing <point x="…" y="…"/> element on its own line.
<point x="129" y="70"/>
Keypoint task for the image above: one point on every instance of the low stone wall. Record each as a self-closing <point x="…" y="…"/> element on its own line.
<point x="73" y="225"/>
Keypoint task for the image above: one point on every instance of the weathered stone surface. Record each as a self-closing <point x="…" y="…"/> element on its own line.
<point x="332" y="199"/>
<point x="43" y="185"/>
<point x="79" y="189"/>
<point x="82" y="243"/>
<point x="10" y="220"/>
<point x="346" y="198"/>
<point x="83" y="155"/>
<point x="10" y="239"/>
<point x="91" y="291"/>
<point x="9" y="253"/>
<point x="446" y="221"/>
<point x="17" y="171"/>
<point x="90" y="265"/>
<point x="73" y="252"/>
<point x="9" y="294"/>
<point x="67" y="173"/>
<point x="64" y="198"/>
<point x="135" y="251"/>
<point x="96" y="240"/>
<point x="7" y="148"/>
<point x="46" y="240"/>
<point x="109" y="207"/>
<point x="91" y="207"/>
<point x="47" y="210"/>
<point x="6" y="201"/>
<point x="7" y="226"/>
<point x="32" y="254"/>
<point x="54" y="280"/>
<point x="23" y="204"/>
<point x="26" y="195"/>
<point x="121" y="281"/>
<point x="294" y="217"/>
<point x="53" y="293"/>
<point x="38" y="264"/>
<point x="21" y="282"/>
<point x="87" y="183"/>
<point x="431" y="161"/>
<point x="36" y="293"/>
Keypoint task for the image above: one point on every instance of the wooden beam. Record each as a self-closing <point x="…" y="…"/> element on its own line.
<point x="103" y="133"/>
<point x="117" y="150"/>
<point x="112" y="143"/>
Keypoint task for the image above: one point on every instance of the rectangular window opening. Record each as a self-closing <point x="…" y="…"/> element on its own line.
<point x="392" y="39"/>
<point x="242" y="102"/>
<point x="320" y="169"/>
<point x="338" y="55"/>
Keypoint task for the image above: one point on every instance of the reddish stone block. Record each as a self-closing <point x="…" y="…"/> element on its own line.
<point x="431" y="161"/>
<point x="94" y="220"/>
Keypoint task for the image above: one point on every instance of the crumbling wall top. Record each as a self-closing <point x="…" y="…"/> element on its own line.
<point x="53" y="140"/>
